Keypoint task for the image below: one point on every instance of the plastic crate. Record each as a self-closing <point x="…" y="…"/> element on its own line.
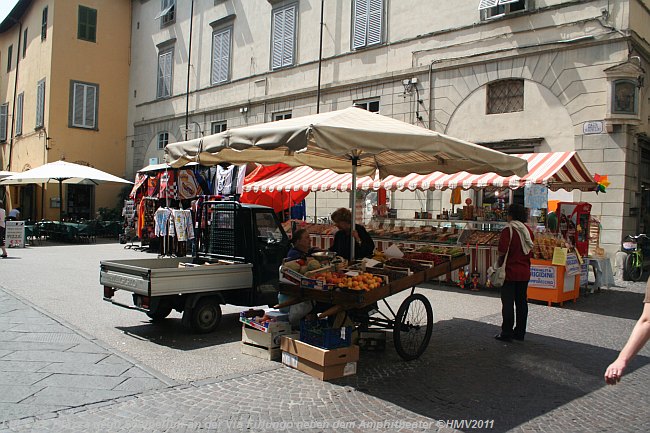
<point x="320" y="334"/>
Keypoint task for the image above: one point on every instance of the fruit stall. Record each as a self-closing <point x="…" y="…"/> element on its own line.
<point x="354" y="288"/>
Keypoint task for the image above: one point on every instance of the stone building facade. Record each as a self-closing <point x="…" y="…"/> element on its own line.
<point x="523" y="76"/>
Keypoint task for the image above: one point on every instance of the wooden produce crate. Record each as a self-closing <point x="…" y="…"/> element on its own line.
<point x="264" y="345"/>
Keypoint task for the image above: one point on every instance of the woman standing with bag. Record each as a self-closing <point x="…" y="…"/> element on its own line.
<point x="515" y="245"/>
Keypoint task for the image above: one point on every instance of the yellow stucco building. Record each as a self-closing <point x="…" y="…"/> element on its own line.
<point x="64" y="68"/>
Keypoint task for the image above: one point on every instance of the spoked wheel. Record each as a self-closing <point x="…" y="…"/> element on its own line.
<point x="632" y="269"/>
<point x="413" y="327"/>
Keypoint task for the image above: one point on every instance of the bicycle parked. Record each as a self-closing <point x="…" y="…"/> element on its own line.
<point x="634" y="265"/>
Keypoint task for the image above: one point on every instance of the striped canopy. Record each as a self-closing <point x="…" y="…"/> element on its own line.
<point x="556" y="170"/>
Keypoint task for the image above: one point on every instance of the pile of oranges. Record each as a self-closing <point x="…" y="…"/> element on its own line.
<point x="363" y="281"/>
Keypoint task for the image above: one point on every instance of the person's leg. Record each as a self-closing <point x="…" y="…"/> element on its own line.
<point x="507" y="309"/>
<point x="2" y="242"/>
<point x="521" y="302"/>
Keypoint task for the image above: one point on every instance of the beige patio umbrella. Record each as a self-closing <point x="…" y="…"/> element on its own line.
<point x="349" y="140"/>
<point x="62" y="172"/>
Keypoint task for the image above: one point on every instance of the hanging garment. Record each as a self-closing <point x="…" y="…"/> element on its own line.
<point x="224" y="180"/>
<point x="187" y="184"/>
<point x="162" y="219"/>
<point x="183" y="225"/>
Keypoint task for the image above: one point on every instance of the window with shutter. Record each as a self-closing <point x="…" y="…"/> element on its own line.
<point x="87" y="24"/>
<point x="221" y="55"/>
<point x="4" y="110"/>
<point x="167" y="12"/>
<point x="24" y="43"/>
<point x="19" y="113"/>
<point x="163" y="140"/>
<point x="367" y="23"/>
<point x="9" y="55"/>
<point x="283" y="37"/>
<point x="165" y="60"/>
<point x="84" y="105"/>
<point x="44" y="24"/>
<point x="40" y="103"/>
<point x="497" y="8"/>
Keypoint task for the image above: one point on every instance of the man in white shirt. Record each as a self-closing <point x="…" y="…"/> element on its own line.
<point x="2" y="230"/>
<point x="13" y="214"/>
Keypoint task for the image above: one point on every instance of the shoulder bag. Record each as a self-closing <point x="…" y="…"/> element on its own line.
<point x="498" y="277"/>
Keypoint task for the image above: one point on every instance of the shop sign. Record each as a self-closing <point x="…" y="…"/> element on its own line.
<point x="543" y="277"/>
<point x="559" y="256"/>
<point x="572" y="265"/>
<point x="584" y="274"/>
<point x="536" y="196"/>
<point x="593" y="127"/>
<point x="15" y="234"/>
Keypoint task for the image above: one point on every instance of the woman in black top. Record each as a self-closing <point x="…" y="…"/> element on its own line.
<point x="364" y="246"/>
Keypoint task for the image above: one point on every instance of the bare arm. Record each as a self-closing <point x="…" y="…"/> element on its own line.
<point x="638" y="338"/>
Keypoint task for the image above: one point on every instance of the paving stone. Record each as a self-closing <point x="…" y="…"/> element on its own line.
<point x="9" y="335"/>
<point x="81" y="381"/>
<point x="20" y="377"/>
<point x="139" y="384"/>
<point x="136" y="372"/>
<point x="4" y="352"/>
<point x="22" y="365"/>
<point x="87" y="348"/>
<point x="53" y="356"/>
<point x="113" y="359"/>
<point x="17" y="393"/>
<point x="45" y="328"/>
<point x="13" y="411"/>
<point x="49" y="337"/>
<point x="30" y="345"/>
<point x="85" y="368"/>
<point x="71" y="396"/>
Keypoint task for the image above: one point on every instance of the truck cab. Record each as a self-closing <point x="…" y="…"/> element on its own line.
<point x="237" y="252"/>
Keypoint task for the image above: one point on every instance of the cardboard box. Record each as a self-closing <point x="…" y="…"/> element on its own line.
<point x="318" y="371"/>
<point x="263" y="339"/>
<point x="316" y="355"/>
<point x="273" y="327"/>
<point x="270" y="354"/>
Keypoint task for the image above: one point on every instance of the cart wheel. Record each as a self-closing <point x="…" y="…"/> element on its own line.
<point x="631" y="269"/>
<point x="206" y="315"/>
<point x="413" y="327"/>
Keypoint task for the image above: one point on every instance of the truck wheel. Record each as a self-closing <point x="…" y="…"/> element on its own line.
<point x="159" y="313"/>
<point x="206" y="315"/>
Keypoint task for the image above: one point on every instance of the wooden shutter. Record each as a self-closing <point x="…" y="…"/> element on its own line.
<point x="164" y="74"/>
<point x="3" y="121"/>
<point x="78" y="104"/>
<point x="19" y="114"/>
<point x="221" y="56"/>
<point x="360" y="20"/>
<point x="277" y="43"/>
<point x="40" y="103"/>
<point x="289" y="35"/>
<point x="375" y="17"/>
<point x="90" y="100"/>
<point x="44" y="24"/>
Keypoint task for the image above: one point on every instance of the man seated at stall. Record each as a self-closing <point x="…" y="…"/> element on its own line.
<point x="364" y="245"/>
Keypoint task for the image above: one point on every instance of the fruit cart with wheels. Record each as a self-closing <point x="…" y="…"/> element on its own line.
<point x="412" y="324"/>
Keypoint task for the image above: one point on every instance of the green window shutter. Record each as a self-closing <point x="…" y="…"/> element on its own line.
<point x="92" y="25"/>
<point x="40" y="104"/>
<point x="4" y="109"/>
<point x="91" y="103"/>
<point x="19" y="113"/>
<point x="44" y="24"/>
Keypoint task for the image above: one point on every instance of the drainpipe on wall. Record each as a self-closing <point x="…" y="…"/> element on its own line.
<point x="189" y="66"/>
<point x="13" y="109"/>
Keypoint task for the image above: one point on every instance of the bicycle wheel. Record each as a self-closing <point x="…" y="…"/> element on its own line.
<point x="633" y="269"/>
<point x="413" y="327"/>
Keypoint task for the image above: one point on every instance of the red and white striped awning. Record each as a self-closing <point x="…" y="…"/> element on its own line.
<point x="556" y="170"/>
<point x="307" y="179"/>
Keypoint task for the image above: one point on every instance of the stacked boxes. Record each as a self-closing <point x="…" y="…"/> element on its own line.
<point x="263" y="341"/>
<point x="317" y="362"/>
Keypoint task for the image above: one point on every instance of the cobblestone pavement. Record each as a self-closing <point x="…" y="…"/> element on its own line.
<point x="551" y="382"/>
<point x="45" y="366"/>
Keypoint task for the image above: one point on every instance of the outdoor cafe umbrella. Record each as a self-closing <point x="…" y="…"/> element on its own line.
<point x="62" y="172"/>
<point x="351" y="139"/>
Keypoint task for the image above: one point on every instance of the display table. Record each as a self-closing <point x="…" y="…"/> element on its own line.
<point x="604" y="277"/>
<point x="550" y="283"/>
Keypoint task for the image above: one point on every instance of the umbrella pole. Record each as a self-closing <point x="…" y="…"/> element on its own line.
<point x="60" y="200"/>
<point x="353" y="201"/>
<point x="315" y="209"/>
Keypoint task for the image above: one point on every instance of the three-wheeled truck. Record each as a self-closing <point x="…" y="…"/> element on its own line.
<point x="238" y="252"/>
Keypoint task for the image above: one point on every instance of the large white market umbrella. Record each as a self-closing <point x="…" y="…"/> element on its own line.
<point x="351" y="139"/>
<point x="62" y="172"/>
<point x="4" y="174"/>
